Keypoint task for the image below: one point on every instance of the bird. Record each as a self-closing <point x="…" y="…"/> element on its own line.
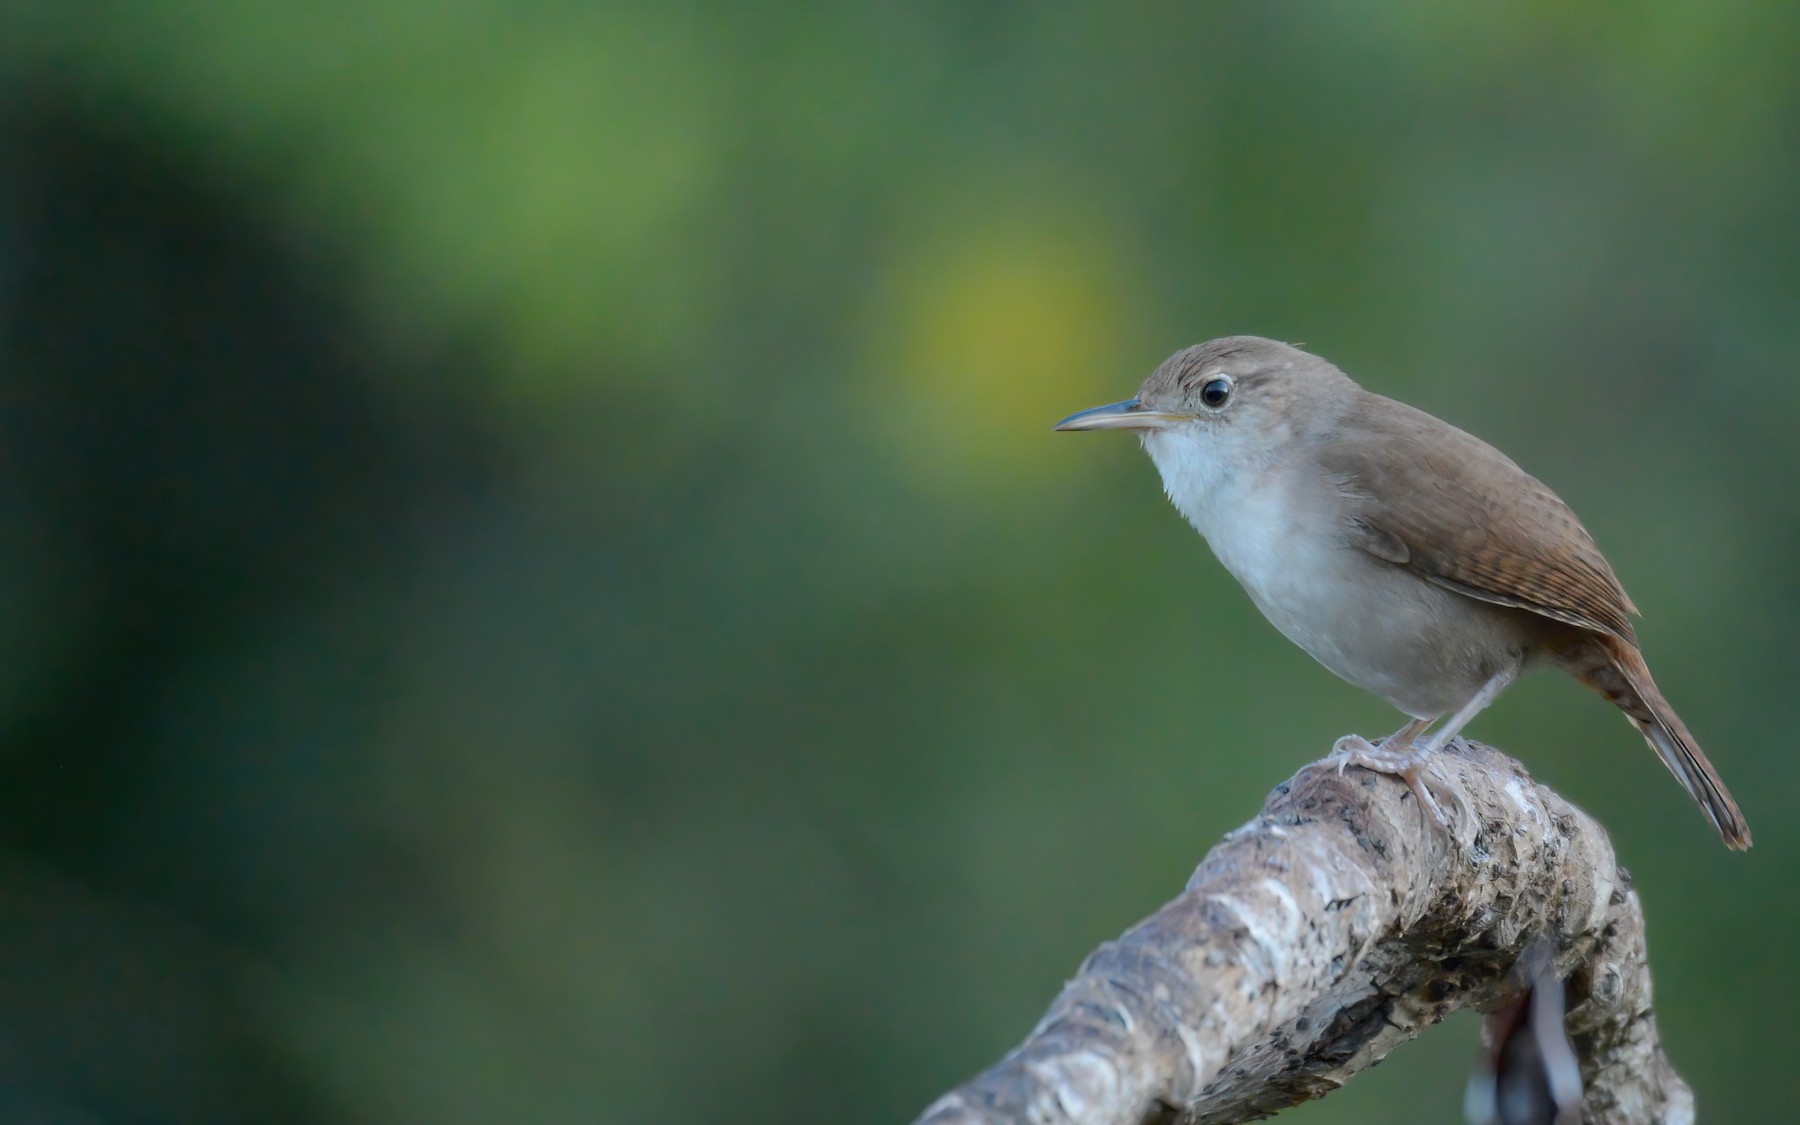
<point x="1407" y="556"/>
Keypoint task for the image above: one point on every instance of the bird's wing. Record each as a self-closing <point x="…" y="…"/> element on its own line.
<point x="1457" y="512"/>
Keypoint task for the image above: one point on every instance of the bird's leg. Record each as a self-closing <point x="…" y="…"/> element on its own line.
<point x="1489" y="692"/>
<point x="1396" y="743"/>
<point x="1395" y="755"/>
<point x="1409" y="762"/>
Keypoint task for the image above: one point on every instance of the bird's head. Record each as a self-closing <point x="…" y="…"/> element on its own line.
<point x="1224" y="402"/>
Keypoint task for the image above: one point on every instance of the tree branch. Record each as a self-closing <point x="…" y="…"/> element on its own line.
<point x="1337" y="924"/>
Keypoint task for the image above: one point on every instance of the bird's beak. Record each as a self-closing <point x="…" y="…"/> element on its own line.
<point x="1128" y="415"/>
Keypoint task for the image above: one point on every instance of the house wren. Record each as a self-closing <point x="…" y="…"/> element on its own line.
<point x="1412" y="559"/>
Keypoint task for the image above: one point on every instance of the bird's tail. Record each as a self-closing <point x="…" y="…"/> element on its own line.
<point x="1624" y="679"/>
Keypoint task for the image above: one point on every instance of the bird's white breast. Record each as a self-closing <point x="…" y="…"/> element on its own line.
<point x="1251" y="515"/>
<point x="1274" y="526"/>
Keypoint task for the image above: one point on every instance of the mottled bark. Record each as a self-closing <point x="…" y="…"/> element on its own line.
<point x="1337" y="924"/>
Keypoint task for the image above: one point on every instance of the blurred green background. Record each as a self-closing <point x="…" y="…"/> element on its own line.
<point x="536" y="583"/>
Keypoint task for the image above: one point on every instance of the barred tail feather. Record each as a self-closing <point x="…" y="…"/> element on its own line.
<point x="1663" y="729"/>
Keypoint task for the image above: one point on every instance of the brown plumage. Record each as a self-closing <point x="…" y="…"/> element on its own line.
<point x="1459" y="513"/>
<point x="1424" y="497"/>
<point x="1407" y="556"/>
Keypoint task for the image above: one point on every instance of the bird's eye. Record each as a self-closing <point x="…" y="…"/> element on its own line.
<point x="1216" y="392"/>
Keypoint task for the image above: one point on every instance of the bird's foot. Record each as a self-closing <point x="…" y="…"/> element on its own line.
<point x="1410" y="765"/>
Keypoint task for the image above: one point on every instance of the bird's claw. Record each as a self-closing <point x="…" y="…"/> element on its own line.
<point x="1348" y="746"/>
<point x="1410" y="765"/>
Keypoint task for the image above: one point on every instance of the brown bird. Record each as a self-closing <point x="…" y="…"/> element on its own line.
<point x="1412" y="559"/>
